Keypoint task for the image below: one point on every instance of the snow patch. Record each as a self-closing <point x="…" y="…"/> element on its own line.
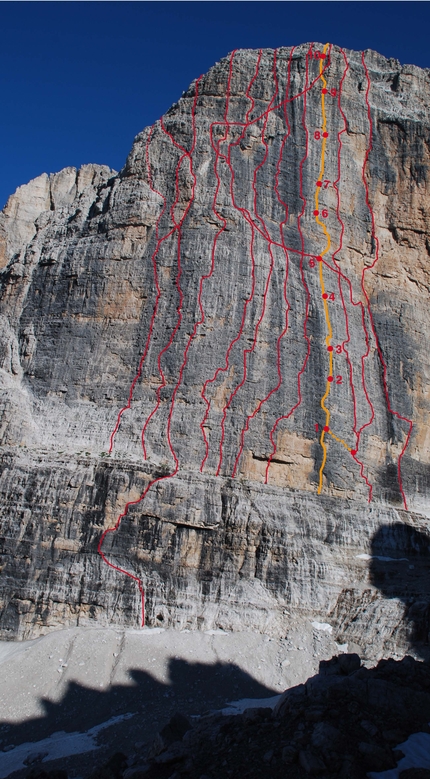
<point x="238" y="707"/>
<point x="57" y="745"/>
<point x="341" y="647"/>
<point x="322" y="626"/>
<point x="416" y="750"/>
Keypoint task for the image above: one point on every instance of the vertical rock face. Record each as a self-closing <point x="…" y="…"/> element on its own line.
<point x="234" y="326"/>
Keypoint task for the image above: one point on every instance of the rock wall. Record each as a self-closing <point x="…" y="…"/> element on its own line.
<point x="235" y="325"/>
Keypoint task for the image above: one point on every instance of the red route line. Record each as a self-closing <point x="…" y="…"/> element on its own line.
<point x="221" y="230"/>
<point x="345" y="278"/>
<point x="287" y="305"/>
<point x="341" y="276"/>
<point x="245" y="213"/>
<point x="250" y="350"/>
<point x="247" y="216"/>
<point x="308" y="296"/>
<point x="178" y="227"/>
<point x="166" y="476"/>
<point x="251" y="83"/>
<point x="376" y="240"/>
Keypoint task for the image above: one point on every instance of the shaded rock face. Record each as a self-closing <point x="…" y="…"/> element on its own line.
<point x="234" y="325"/>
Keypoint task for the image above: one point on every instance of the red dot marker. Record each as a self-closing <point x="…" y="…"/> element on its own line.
<point x="319" y="258"/>
<point x="316" y="212"/>
<point x="353" y="452"/>
<point x="324" y="91"/>
<point x="326" y="429"/>
<point x="322" y="56"/>
<point x="329" y="348"/>
<point x="329" y="378"/>
<point x="325" y="135"/>
<point x="325" y="296"/>
<point x="319" y="183"/>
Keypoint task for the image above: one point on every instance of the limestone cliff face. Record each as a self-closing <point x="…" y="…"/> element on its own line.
<point x="237" y="323"/>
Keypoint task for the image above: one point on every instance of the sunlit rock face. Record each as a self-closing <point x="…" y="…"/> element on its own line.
<point x="236" y="325"/>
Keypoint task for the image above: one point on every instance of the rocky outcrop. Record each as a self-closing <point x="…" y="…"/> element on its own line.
<point x="345" y="721"/>
<point x="192" y="327"/>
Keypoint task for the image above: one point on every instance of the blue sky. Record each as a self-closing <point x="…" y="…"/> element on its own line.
<point x="80" y="79"/>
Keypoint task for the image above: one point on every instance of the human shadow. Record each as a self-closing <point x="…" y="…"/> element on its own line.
<point x="191" y="688"/>
<point x="400" y="568"/>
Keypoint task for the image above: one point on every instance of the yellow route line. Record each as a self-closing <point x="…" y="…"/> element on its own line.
<point x="321" y="276"/>
<point x="341" y="441"/>
<point x="327" y="248"/>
